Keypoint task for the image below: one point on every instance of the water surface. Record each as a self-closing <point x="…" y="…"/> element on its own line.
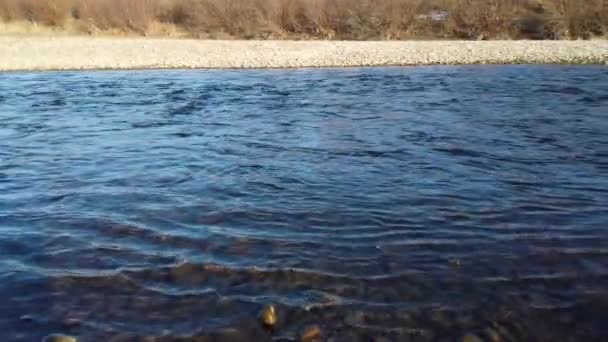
<point x="399" y="203"/>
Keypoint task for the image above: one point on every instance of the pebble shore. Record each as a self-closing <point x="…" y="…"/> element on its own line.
<point x="18" y="53"/>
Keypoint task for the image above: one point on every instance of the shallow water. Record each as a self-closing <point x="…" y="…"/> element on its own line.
<point x="405" y="203"/>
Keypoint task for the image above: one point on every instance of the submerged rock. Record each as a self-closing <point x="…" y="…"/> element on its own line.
<point x="59" y="338"/>
<point x="311" y="334"/>
<point x="270" y="316"/>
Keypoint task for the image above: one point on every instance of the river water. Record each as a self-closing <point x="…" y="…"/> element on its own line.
<point x="380" y="204"/>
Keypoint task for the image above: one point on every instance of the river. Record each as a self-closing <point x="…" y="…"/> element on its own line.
<point x="380" y="204"/>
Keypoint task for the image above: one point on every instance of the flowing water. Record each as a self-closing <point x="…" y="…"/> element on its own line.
<point x="383" y="204"/>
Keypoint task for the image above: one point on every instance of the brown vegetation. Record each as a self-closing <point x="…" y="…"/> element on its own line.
<point x="52" y="13"/>
<point x="324" y="19"/>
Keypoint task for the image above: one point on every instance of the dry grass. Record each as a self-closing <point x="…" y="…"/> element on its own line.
<point x="128" y="15"/>
<point x="321" y="19"/>
<point x="51" y="13"/>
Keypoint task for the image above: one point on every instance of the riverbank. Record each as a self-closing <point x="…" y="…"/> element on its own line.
<point x="19" y="53"/>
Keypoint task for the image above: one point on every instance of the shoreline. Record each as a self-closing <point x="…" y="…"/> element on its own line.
<point x="64" y="53"/>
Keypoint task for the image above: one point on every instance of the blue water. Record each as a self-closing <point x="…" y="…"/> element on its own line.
<point x="404" y="203"/>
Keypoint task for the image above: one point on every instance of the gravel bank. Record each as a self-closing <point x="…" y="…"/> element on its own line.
<point x="61" y="53"/>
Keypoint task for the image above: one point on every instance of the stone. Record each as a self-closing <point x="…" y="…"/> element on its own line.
<point x="59" y="338"/>
<point x="270" y="316"/>
<point x="310" y="334"/>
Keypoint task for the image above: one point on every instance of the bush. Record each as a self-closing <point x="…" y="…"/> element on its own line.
<point x="327" y="19"/>
<point x="581" y="19"/>
<point x="52" y="13"/>
<point x="125" y="15"/>
<point x="532" y="27"/>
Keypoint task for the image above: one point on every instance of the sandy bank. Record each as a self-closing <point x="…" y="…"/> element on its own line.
<point x="60" y="53"/>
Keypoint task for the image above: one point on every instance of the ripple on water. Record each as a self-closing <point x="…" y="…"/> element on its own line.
<point x="431" y="203"/>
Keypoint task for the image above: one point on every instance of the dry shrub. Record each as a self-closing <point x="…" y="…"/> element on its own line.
<point x="235" y="17"/>
<point x="327" y="19"/>
<point x="8" y="10"/>
<point x="475" y="19"/>
<point x="354" y="19"/>
<point x="201" y="18"/>
<point x="53" y="13"/>
<point x="125" y="15"/>
<point x="581" y="18"/>
<point x="534" y="27"/>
